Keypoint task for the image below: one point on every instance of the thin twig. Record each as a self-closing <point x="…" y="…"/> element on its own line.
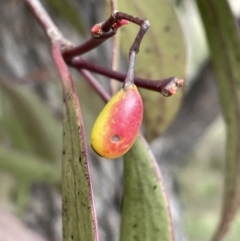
<point x="144" y="25"/>
<point x="95" y="85"/>
<point x="166" y="87"/>
<point x="51" y="30"/>
<point x="115" y="53"/>
<point x="100" y="33"/>
<point x="94" y="42"/>
<point x="130" y="73"/>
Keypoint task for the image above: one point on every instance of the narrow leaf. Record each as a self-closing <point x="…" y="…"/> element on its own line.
<point x="224" y="44"/>
<point x="162" y="54"/>
<point x="79" y="219"/>
<point x="29" y="168"/>
<point x="145" y="212"/>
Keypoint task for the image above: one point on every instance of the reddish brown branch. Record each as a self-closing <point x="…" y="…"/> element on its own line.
<point x="95" y="85"/>
<point x="99" y="35"/>
<point x="166" y="87"/>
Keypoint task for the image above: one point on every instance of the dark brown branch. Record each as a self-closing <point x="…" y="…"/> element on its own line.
<point x="100" y="33"/>
<point x="166" y="87"/>
<point x="71" y="52"/>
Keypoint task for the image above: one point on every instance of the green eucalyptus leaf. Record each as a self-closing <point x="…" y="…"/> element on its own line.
<point x="145" y="213"/>
<point x="27" y="167"/>
<point x="224" y="45"/>
<point x="162" y="54"/>
<point x="79" y="220"/>
<point x="41" y="128"/>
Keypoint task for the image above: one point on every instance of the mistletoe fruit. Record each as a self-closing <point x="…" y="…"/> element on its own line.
<point x="117" y="126"/>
